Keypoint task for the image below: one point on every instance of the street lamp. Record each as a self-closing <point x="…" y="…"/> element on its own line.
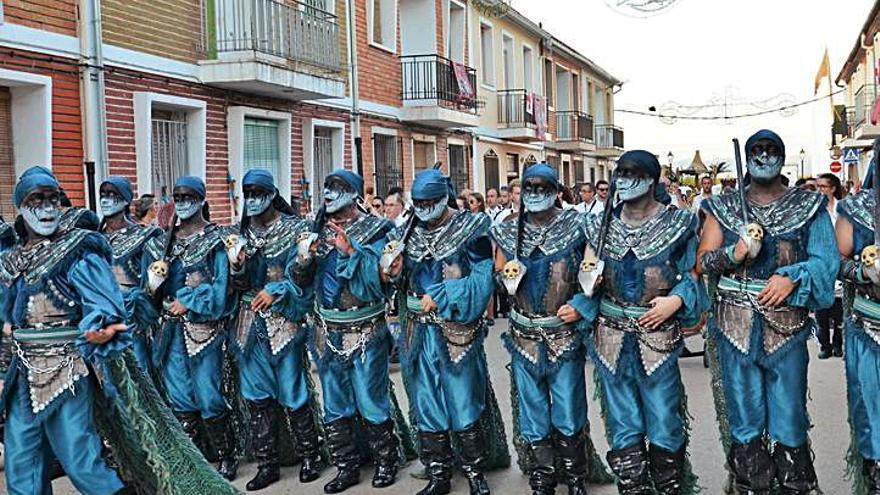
<point x="803" y="155"/>
<point x="670" y="157"/>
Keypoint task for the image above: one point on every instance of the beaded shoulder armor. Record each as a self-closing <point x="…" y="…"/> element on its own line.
<point x="557" y="235"/>
<point x="860" y="208"/>
<point x="39" y="260"/>
<point x="442" y="242"/>
<point x="645" y="241"/>
<point x="277" y="239"/>
<point x="363" y="230"/>
<point x="787" y="214"/>
<point x="81" y="218"/>
<point x="125" y="241"/>
<point x="8" y="237"/>
<point x="189" y="250"/>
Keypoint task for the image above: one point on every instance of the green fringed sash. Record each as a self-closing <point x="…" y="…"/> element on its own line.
<point x="146" y="442"/>
<point x="597" y="474"/>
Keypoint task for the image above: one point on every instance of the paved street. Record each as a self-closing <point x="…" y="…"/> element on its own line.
<point x="827" y="407"/>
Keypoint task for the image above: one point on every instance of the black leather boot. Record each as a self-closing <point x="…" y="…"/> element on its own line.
<point x="630" y="465"/>
<point x="223" y="439"/>
<point x="308" y="444"/>
<point x="573" y="467"/>
<point x="343" y="453"/>
<point x="384" y="444"/>
<point x="667" y="469"/>
<point x="439" y="459"/>
<point x="264" y="434"/>
<point x="794" y="469"/>
<point x="871" y="471"/>
<point x="473" y="458"/>
<point x="189" y="422"/>
<point x="542" y="475"/>
<point x="752" y="467"/>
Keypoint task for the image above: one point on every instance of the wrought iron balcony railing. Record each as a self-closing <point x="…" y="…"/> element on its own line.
<point x="513" y="109"/>
<point x="609" y="136"/>
<point x="574" y="126"/>
<point x="436" y="80"/>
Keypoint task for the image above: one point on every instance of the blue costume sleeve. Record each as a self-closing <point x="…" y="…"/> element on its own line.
<point x="463" y="300"/>
<point x="815" y="276"/>
<point x="139" y="309"/>
<point x="588" y="308"/>
<point x="102" y="305"/>
<point x="208" y="300"/>
<point x="361" y="270"/>
<point x="691" y="290"/>
<point x="289" y="299"/>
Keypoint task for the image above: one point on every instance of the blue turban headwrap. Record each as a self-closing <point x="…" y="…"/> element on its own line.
<point x="352" y="179"/>
<point x="544" y="171"/>
<point x="31" y="179"/>
<point x="260" y="178"/>
<point x="648" y="162"/>
<point x="122" y="186"/>
<point x="192" y="182"/>
<point x="431" y="184"/>
<point x="766" y="134"/>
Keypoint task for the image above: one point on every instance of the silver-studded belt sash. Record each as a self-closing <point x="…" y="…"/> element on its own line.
<point x="616" y="320"/>
<point x="354" y="328"/>
<point x="459" y="337"/>
<point x="51" y="362"/>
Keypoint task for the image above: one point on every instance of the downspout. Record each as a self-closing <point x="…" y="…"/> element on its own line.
<point x="357" y="142"/>
<point x="93" y="98"/>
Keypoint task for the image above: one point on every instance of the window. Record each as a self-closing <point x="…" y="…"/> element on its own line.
<point x="512" y="166"/>
<point x="578" y="172"/>
<point x="528" y="70"/>
<point x="575" y="92"/>
<point x="599" y="99"/>
<point x="323" y="152"/>
<point x="548" y="82"/>
<point x="383" y="23"/>
<point x="588" y="99"/>
<point x="423" y="155"/>
<point x="169" y="153"/>
<point x="388" y="170"/>
<point x="487" y="54"/>
<point x="323" y="160"/>
<point x="7" y="167"/>
<point x="458" y="170"/>
<point x="507" y="60"/>
<point x="490" y="166"/>
<point x="261" y="149"/>
<point x="456" y="35"/>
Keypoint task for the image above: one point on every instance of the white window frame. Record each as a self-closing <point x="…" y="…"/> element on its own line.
<point x="235" y="117"/>
<point x="505" y="36"/>
<point x="196" y="134"/>
<point x="316" y="187"/>
<point x="488" y="83"/>
<point x="31" y="107"/>
<point x="448" y="30"/>
<point x="412" y="150"/>
<point x="394" y="20"/>
<point x="529" y="88"/>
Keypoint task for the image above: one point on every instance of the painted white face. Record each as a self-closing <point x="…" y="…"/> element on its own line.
<point x="432" y="210"/>
<point x="256" y="204"/>
<point x="765" y="160"/>
<point x="538" y="195"/>
<point x="188" y="208"/>
<point x="42" y="212"/>
<point x="337" y="195"/>
<point x="111" y="204"/>
<point x="630" y="188"/>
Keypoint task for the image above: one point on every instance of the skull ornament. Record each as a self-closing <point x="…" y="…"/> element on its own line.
<point x="870" y="255"/>
<point x="588" y="276"/>
<point x="755" y="231"/>
<point x="304" y="244"/>
<point x="392" y="250"/>
<point x="511" y="275"/>
<point x="156" y="274"/>
<point x="234" y="244"/>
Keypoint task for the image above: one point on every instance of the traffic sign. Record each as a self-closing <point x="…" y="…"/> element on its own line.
<point x="836" y="167"/>
<point x="851" y="155"/>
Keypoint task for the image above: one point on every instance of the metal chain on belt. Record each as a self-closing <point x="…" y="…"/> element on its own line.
<point x="630" y="324"/>
<point x="740" y="298"/>
<point x="66" y="350"/>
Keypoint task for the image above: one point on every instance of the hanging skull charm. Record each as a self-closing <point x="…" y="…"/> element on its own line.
<point x="304" y="244"/>
<point x="233" y="244"/>
<point x="392" y="250"/>
<point x="752" y="235"/>
<point x="511" y="275"/>
<point x="870" y="255"/>
<point x="588" y="276"/>
<point x="156" y="275"/>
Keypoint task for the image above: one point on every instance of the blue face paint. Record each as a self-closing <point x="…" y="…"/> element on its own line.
<point x="186" y="209"/>
<point x="433" y="212"/>
<point x="256" y="204"/>
<point x="764" y="166"/>
<point x="337" y="197"/>
<point x="630" y="188"/>
<point x="43" y="218"/>
<point x="538" y="201"/>
<point x="111" y="205"/>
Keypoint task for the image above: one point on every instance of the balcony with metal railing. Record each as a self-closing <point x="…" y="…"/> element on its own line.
<point x="438" y="92"/>
<point x="864" y="102"/>
<point x="574" y="131"/>
<point x="284" y="49"/>
<point x="609" y="140"/>
<point x="516" y="115"/>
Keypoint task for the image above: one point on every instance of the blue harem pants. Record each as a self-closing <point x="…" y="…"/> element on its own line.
<point x="282" y="378"/>
<point x="555" y="398"/>
<point x="360" y="385"/>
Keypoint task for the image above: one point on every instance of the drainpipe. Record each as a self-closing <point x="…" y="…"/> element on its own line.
<point x="94" y="115"/>
<point x="357" y="142"/>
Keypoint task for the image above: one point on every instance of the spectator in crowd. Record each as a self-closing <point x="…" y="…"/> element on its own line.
<point x="602" y="188"/>
<point x="476" y="203"/>
<point x="588" y="203"/>
<point x="808" y="183"/>
<point x="491" y="198"/>
<point x="145" y="209"/>
<point x="504" y="197"/>
<point x="514" y="187"/>
<point x="377" y="206"/>
<point x="566" y="197"/>
<point x="849" y="189"/>
<point x="462" y="203"/>
<point x="502" y="208"/>
<point x="705" y="194"/>
<point x="394" y="208"/>
<point x="830" y="320"/>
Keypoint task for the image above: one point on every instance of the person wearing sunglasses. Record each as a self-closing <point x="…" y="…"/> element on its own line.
<point x="377" y="206"/>
<point x="476" y="204"/>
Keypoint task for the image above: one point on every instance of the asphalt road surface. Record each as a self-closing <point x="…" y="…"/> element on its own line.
<point x="830" y="434"/>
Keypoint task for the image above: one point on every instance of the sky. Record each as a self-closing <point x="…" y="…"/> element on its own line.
<point x="698" y="50"/>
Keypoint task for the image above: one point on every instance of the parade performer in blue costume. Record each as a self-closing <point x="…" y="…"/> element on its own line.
<point x="67" y="313"/>
<point x="771" y="271"/>
<point x="649" y="294"/>
<point x="127" y="238"/>
<point x="339" y="266"/>
<point x="187" y="275"/>
<point x="537" y="259"/>
<point x="269" y="333"/>
<point x="446" y="268"/>
<point x="859" y="269"/>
